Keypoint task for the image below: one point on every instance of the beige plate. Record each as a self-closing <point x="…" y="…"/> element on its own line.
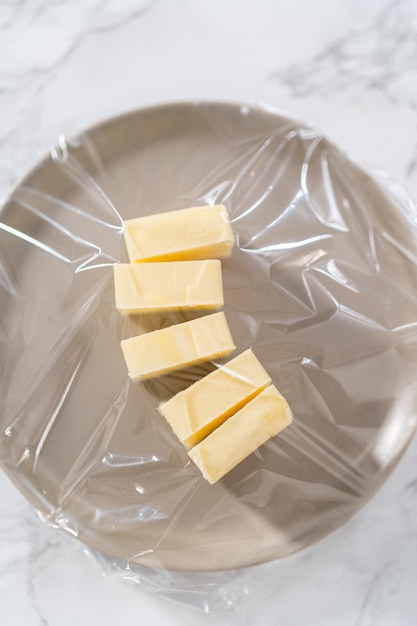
<point x="321" y="284"/>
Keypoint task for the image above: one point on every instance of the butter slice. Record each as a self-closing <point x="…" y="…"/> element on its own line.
<point x="195" y="412"/>
<point x="179" y="285"/>
<point x="202" y="232"/>
<point x="259" y="420"/>
<point x="180" y="345"/>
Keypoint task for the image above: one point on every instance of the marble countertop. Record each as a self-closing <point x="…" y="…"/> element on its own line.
<point x="350" y="68"/>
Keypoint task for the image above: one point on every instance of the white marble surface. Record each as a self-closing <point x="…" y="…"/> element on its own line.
<point x="348" y="67"/>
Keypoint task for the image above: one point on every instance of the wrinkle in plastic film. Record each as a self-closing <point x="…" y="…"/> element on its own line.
<point x="321" y="285"/>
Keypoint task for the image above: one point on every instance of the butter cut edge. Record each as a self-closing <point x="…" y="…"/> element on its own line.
<point x="196" y="411"/>
<point x="237" y="438"/>
<point x="168" y="286"/>
<point x="194" y="233"/>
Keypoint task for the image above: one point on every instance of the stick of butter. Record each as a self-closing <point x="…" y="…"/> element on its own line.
<point x="156" y="287"/>
<point x="180" y="345"/>
<point x="195" y="412"/>
<point x="259" y="420"/>
<point x="202" y="232"/>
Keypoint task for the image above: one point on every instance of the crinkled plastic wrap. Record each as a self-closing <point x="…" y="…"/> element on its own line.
<point x="322" y="284"/>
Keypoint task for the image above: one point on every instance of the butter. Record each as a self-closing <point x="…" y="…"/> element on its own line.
<point x="178" y="285"/>
<point x="202" y="232"/>
<point x="259" y="420"/>
<point x="198" y="410"/>
<point x="181" y="345"/>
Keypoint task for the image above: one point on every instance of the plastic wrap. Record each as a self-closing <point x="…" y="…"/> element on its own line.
<point x="321" y="284"/>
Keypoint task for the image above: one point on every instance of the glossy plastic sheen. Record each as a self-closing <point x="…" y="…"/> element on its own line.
<point x="322" y="284"/>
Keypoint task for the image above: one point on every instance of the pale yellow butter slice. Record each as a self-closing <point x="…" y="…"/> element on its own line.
<point x="259" y="420"/>
<point x="202" y="407"/>
<point x="202" y="232"/>
<point x="178" y="346"/>
<point x="156" y="287"/>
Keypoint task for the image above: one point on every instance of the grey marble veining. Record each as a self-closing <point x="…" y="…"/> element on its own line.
<point x="379" y="54"/>
<point x="50" y="33"/>
<point x="351" y="68"/>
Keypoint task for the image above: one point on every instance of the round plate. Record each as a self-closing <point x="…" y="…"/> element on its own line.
<point x="321" y="284"/>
